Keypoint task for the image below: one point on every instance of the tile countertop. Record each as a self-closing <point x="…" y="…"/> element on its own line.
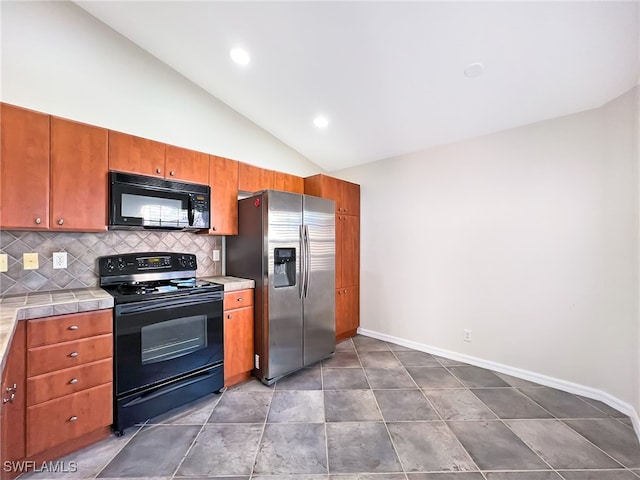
<point x="60" y="302"/>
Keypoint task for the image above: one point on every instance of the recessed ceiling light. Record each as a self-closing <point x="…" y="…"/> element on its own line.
<point x="240" y="56"/>
<point x="474" y="70"/>
<point x="321" y="121"/>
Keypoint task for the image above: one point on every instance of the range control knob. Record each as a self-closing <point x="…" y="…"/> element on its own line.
<point x="182" y="261"/>
<point x="109" y="265"/>
<point x="121" y="264"/>
<point x="192" y="262"/>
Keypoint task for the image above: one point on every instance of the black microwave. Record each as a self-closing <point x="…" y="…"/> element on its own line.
<point x="138" y="201"/>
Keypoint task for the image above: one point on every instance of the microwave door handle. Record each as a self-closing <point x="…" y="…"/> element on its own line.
<point x="190" y="211"/>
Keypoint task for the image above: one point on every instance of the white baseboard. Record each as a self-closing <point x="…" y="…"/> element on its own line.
<point x="545" y="380"/>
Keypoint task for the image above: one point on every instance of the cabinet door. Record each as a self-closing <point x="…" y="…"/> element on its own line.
<point x="347" y="312"/>
<point x="79" y="166"/>
<point x="12" y="431"/>
<point x="350" y="250"/>
<point x="253" y="179"/>
<point x="288" y="183"/>
<point x="186" y="165"/>
<point x="24" y="169"/>
<point x="223" y="180"/>
<point x="350" y="198"/>
<point x="238" y="343"/>
<point x="135" y="155"/>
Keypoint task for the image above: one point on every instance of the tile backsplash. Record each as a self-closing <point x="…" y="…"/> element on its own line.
<point x="84" y="248"/>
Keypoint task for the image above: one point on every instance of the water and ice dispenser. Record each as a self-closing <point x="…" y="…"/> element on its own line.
<point x="284" y="267"/>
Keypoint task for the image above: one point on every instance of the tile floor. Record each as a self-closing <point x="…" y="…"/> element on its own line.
<point x="375" y="411"/>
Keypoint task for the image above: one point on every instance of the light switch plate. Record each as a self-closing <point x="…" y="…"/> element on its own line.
<point x="30" y="261"/>
<point x="4" y="262"/>
<point x="59" y="259"/>
<point x="216" y="255"/>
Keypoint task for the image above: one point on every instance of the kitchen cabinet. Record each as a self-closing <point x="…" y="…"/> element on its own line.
<point x="13" y="406"/>
<point x="288" y="183"/>
<point x="345" y="194"/>
<point x="347" y="250"/>
<point x="223" y="180"/>
<point x="78" y="176"/>
<point x="69" y="382"/>
<point x="186" y="165"/>
<point x="347" y="312"/>
<point x="131" y="154"/>
<point x="253" y="179"/>
<point x="24" y="169"/>
<point x="238" y="336"/>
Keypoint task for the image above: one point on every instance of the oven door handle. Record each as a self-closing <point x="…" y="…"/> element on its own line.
<point x="152" y="305"/>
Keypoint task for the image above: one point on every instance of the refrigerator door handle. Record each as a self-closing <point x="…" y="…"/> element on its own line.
<point x="302" y="261"/>
<point x="307" y="261"/>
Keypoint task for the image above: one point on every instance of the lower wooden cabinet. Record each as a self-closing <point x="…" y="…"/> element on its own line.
<point x="238" y="336"/>
<point x="347" y="312"/>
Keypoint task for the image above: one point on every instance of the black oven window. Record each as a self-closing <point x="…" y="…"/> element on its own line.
<point x="173" y="338"/>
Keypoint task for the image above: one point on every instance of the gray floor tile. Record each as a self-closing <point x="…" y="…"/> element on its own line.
<point x="242" y="407"/>
<point x="516" y="382"/>
<point x="251" y="385"/>
<point x="399" y="348"/>
<point x="458" y="404"/>
<point x="153" y="452"/>
<point x="428" y="446"/>
<point x="612" y="437"/>
<point x="604" y="407"/>
<point x="510" y="403"/>
<point x="235" y="477"/>
<point x="549" y="475"/>
<point x="446" y="476"/>
<point x="404" y="405"/>
<point x="288" y="477"/>
<point x="417" y="359"/>
<point x="598" y="475"/>
<point x="380" y="378"/>
<point x="304" y="379"/>
<point x="494" y="447"/>
<point x="626" y="421"/>
<point x="448" y="362"/>
<point x="476" y="377"/>
<point x="223" y="450"/>
<point x="433" y="377"/>
<point x="297" y="406"/>
<point x="292" y="449"/>
<point x="360" y="447"/>
<point x="368" y="344"/>
<point x="379" y="360"/>
<point x="559" y="445"/>
<point x="343" y="360"/>
<point x="195" y="413"/>
<point x="345" y="346"/>
<point x="344" y="379"/>
<point x="351" y="406"/>
<point x="368" y="476"/>
<point x="562" y="404"/>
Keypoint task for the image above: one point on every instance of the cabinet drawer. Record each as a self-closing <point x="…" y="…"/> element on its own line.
<point x="63" y="419"/>
<point x="48" y="386"/>
<point x="68" y="327"/>
<point x="68" y="354"/>
<point x="238" y="299"/>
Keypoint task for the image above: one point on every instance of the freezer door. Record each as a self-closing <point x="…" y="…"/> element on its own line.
<point x="320" y="280"/>
<point x="285" y="337"/>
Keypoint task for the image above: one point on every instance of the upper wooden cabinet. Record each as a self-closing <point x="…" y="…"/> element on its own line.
<point x="24" y="169"/>
<point x="288" y="183"/>
<point x="136" y="155"/>
<point x="223" y="180"/>
<point x="78" y="176"/>
<point x="186" y="165"/>
<point x="345" y="194"/>
<point x="253" y="179"/>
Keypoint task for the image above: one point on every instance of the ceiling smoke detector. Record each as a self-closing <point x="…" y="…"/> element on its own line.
<point x="473" y="70"/>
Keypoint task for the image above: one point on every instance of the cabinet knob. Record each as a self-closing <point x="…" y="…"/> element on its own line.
<point x="73" y="327"/>
<point x="214" y="228"/>
<point x="73" y="419"/>
<point x="229" y="316"/>
<point x="73" y="381"/>
<point x="38" y="220"/>
<point x="344" y="291"/>
<point x="239" y="299"/>
<point x="158" y="170"/>
<point x="73" y="354"/>
<point x="61" y="222"/>
<point x="172" y="173"/>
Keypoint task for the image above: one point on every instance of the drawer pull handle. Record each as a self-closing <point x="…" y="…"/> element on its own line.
<point x="73" y="327"/>
<point x="73" y="354"/>
<point x="73" y="381"/>
<point x="73" y="419"/>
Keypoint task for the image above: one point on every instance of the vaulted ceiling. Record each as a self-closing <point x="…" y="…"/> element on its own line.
<point x="390" y="76"/>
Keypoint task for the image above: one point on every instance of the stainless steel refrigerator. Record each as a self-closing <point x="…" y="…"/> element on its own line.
<point x="286" y="244"/>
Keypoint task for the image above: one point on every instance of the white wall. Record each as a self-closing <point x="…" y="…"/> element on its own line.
<point x="58" y="59"/>
<point x="528" y="237"/>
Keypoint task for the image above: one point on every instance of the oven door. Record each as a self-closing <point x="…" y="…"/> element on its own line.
<point x="162" y="339"/>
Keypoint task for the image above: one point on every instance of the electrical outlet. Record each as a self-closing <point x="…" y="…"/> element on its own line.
<point x="59" y="259"/>
<point x="30" y="261"/>
<point x="216" y="255"/>
<point x="467" y="335"/>
<point x="4" y="262"/>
